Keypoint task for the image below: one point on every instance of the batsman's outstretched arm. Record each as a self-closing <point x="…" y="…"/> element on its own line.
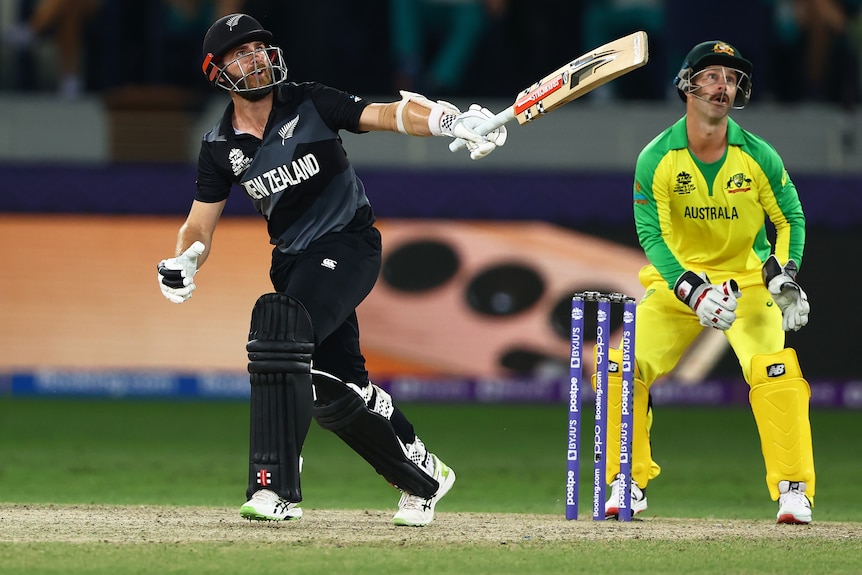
<point x="416" y="115"/>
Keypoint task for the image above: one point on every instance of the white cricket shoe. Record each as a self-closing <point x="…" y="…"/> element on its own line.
<point x="793" y="504"/>
<point x="612" y="505"/>
<point x="415" y="511"/>
<point x="266" y="505"/>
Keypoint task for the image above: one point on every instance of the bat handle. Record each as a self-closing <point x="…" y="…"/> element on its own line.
<point x="485" y="127"/>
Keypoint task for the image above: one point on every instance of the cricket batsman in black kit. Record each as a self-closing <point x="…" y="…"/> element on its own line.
<point x="279" y="142"/>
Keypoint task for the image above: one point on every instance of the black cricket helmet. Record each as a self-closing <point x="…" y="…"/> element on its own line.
<point x="715" y="53"/>
<point x="231" y="31"/>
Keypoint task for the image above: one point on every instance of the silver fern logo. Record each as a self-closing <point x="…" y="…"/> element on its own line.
<point x="238" y="161"/>
<point x="287" y="130"/>
<point x="233" y="21"/>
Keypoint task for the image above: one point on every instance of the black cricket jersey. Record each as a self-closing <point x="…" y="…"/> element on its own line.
<point x="298" y="176"/>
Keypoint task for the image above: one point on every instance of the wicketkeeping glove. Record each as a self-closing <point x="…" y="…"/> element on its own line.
<point x="176" y="275"/>
<point x="714" y="305"/>
<point x="781" y="283"/>
<point x="463" y="126"/>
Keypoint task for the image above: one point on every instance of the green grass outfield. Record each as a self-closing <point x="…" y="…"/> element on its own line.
<point x="509" y="459"/>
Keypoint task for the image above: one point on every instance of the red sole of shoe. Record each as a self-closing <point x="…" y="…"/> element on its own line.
<point x="789" y="519"/>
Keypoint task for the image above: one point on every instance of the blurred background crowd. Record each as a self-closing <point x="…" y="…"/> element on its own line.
<point x="803" y="50"/>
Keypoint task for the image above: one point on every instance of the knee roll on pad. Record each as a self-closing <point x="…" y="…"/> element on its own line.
<point x="281" y="338"/>
<point x="779" y="400"/>
<point x="369" y="432"/>
<point x="280" y="347"/>
<point x="334" y="414"/>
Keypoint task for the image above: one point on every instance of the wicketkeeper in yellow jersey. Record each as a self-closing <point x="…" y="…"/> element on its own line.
<point x="703" y="189"/>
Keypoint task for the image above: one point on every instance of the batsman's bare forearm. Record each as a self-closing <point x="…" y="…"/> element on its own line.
<point x="384" y="117"/>
<point x="199" y="227"/>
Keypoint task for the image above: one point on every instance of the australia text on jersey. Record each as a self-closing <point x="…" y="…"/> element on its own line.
<point x="280" y="178"/>
<point x="711" y="213"/>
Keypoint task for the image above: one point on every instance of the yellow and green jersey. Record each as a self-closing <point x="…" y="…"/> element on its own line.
<point x="691" y="215"/>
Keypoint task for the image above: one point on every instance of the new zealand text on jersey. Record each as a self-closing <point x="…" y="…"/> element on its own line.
<point x="282" y="177"/>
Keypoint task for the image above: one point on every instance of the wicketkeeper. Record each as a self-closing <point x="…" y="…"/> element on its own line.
<point x="703" y="189"/>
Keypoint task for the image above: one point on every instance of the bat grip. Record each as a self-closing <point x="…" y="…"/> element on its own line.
<point x="484" y="128"/>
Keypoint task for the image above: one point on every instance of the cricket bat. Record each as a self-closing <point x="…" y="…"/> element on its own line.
<point x="580" y="76"/>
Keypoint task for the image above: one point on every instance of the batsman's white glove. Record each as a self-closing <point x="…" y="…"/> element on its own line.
<point x="463" y="126"/>
<point x="781" y="283"/>
<point x="446" y="119"/>
<point x="714" y="305"/>
<point x="176" y="275"/>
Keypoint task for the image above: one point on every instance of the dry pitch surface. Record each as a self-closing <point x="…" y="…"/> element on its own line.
<point x="156" y="524"/>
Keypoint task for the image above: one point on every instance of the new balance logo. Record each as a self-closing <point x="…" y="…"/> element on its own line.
<point x="775" y="370"/>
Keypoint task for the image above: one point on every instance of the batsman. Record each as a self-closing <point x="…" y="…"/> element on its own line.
<point x="703" y="191"/>
<point x="279" y="143"/>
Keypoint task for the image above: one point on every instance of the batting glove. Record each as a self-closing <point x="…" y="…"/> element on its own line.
<point x="176" y="275"/>
<point x="714" y="305"/>
<point x="464" y="126"/>
<point x="790" y="298"/>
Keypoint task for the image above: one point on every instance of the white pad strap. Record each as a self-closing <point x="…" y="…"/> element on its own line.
<point x="375" y="398"/>
<point x="417" y="453"/>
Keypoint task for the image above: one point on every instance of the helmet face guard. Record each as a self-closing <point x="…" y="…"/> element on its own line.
<point x="689" y="82"/>
<point x="253" y="73"/>
<point x="715" y="53"/>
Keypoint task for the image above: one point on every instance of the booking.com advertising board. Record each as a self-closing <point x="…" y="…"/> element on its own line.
<point x="468" y="307"/>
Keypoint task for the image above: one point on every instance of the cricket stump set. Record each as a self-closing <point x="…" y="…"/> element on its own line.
<point x="603" y="301"/>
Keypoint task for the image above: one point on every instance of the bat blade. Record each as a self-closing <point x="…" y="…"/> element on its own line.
<point x="581" y="76"/>
<point x="571" y="81"/>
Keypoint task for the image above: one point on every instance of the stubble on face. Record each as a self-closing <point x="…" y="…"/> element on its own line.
<point x="247" y="76"/>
